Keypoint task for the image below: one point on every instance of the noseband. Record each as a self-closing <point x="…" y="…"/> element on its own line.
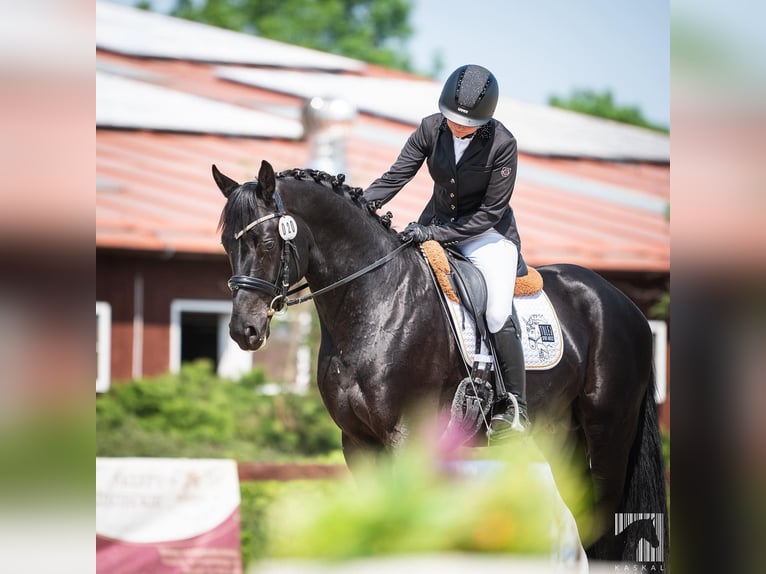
<point x="280" y="288"/>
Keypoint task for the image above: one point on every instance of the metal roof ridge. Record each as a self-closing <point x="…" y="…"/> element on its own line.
<point x="539" y="129"/>
<point x="132" y="31"/>
<point x="131" y="104"/>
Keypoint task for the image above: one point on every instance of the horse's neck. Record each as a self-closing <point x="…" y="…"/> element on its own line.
<point x="344" y="238"/>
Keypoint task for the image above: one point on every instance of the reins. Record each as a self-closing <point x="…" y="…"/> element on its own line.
<point x="280" y="287"/>
<point x="372" y="266"/>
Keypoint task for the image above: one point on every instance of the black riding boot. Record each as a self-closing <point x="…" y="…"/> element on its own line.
<point x="510" y="357"/>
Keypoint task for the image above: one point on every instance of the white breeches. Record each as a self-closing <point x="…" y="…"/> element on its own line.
<point x="497" y="258"/>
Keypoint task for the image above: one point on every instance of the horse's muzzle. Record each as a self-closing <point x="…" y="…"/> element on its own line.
<point x="247" y="336"/>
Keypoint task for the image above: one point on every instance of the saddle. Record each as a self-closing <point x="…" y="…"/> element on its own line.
<point x="463" y="287"/>
<point x="462" y="282"/>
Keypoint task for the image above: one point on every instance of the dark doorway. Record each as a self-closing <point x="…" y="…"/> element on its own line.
<point x="199" y="336"/>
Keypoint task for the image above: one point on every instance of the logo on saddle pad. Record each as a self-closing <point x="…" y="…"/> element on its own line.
<point x="541" y="339"/>
<point x="546" y="333"/>
<point x="543" y="344"/>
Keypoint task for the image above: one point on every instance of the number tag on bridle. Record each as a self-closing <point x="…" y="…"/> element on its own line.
<point x="288" y="229"/>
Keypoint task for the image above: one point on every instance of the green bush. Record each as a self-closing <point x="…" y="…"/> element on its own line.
<point x="253" y="380"/>
<point x="258" y="499"/>
<point x="197" y="414"/>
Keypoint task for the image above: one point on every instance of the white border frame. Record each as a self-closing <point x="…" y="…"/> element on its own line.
<point x="660" y="356"/>
<point x="103" y="346"/>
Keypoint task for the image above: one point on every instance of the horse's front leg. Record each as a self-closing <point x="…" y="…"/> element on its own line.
<point x="356" y="451"/>
<point x="361" y="428"/>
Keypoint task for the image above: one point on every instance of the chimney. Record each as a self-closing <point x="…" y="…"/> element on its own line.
<point x="326" y="123"/>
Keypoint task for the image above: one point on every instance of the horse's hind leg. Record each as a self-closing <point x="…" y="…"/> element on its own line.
<point x="609" y="425"/>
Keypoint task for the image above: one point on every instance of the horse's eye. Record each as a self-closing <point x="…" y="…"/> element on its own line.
<point x="268" y="245"/>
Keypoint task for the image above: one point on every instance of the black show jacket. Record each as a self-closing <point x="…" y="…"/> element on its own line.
<point x="468" y="198"/>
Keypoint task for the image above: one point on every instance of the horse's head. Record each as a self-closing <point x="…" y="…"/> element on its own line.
<point x="258" y="237"/>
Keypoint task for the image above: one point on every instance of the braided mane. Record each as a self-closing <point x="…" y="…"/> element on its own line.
<point x="337" y="184"/>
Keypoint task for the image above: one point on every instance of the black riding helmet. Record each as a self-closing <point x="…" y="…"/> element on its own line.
<point x="469" y="96"/>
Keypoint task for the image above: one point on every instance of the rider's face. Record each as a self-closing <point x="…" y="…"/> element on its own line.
<point x="460" y="131"/>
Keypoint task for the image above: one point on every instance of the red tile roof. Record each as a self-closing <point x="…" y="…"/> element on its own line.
<point x="155" y="191"/>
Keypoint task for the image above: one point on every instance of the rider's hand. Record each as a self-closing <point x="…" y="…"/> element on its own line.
<point x="416" y="232"/>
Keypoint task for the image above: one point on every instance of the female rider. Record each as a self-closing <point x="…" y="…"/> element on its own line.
<point x="472" y="160"/>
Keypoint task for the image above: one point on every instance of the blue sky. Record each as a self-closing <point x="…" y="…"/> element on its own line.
<point x="538" y="48"/>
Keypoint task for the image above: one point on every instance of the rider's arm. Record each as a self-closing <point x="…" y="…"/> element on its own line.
<point x="405" y="167"/>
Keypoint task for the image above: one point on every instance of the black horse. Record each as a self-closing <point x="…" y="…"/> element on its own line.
<point x="386" y="344"/>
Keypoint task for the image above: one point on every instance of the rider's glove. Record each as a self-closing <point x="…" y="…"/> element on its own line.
<point x="416" y="232"/>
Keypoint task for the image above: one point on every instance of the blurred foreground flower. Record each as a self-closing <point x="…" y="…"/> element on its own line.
<point x="485" y="501"/>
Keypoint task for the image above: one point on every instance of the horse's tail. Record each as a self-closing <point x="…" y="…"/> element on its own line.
<point x="645" y="489"/>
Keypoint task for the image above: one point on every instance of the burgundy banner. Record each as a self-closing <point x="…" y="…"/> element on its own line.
<point x="167" y="516"/>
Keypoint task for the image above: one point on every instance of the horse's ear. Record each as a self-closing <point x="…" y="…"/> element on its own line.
<point x="266" y="180"/>
<point x="225" y="184"/>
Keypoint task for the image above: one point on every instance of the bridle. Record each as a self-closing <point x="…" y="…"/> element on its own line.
<point x="279" y="289"/>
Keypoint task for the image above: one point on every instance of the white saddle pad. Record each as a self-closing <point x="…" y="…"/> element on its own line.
<point x="541" y="332"/>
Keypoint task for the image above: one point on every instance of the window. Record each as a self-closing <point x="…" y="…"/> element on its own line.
<point x="103" y="346"/>
<point x="660" y="336"/>
<point x="200" y="329"/>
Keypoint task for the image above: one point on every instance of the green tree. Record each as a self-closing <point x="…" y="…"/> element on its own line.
<point x="603" y="106"/>
<point x="374" y="31"/>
